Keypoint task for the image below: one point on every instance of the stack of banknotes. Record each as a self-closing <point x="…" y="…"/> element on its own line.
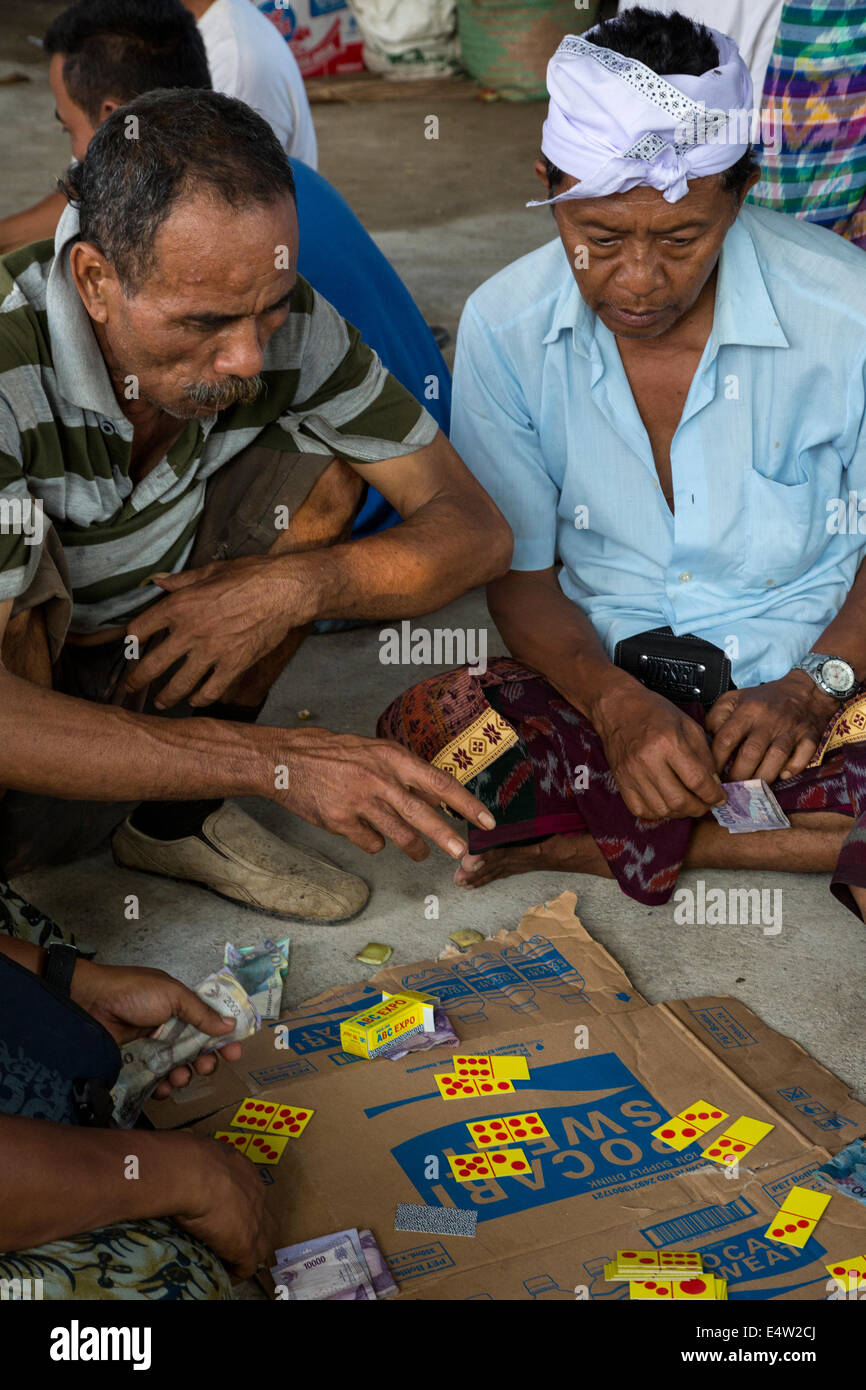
<point x="346" y="1267"/>
<point x="443" y="1035"/>
<point x="848" y="1170"/>
<point x="750" y="806"/>
<point x="146" y="1061"/>
<point x="262" y="971"/>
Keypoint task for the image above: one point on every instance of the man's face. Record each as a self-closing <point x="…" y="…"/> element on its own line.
<point x="194" y="332"/>
<point x="75" y="122"/>
<point x="640" y="262"/>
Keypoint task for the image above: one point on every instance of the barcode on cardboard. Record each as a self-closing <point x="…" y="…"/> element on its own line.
<point x="695" y="1223"/>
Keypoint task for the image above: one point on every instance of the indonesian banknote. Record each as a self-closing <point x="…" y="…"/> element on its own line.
<point x="848" y="1170"/>
<point x="346" y="1266"/>
<point x="750" y="806"/>
<point x="146" y="1061"/>
<point x="261" y="970"/>
<point x="443" y="1035"/>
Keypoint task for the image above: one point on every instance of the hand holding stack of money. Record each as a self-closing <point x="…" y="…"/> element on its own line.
<point x="146" y="1061"/>
<point x="345" y="1267"/>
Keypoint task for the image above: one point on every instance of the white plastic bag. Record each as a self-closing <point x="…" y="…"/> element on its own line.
<point x="408" y="38"/>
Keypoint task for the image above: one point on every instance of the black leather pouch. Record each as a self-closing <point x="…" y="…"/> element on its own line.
<point x="683" y="669"/>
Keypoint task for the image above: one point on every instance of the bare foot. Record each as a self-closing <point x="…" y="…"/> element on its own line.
<point x="574" y="854"/>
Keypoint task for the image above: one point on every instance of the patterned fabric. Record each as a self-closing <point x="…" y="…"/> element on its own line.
<point x="152" y="1260"/>
<point x="554" y="779"/>
<point x="65" y="442"/>
<point x="816" y="89"/>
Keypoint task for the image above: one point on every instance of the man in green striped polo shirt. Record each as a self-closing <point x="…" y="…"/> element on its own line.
<point x="186" y="432"/>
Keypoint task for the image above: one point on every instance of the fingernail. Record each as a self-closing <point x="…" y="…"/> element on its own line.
<point x="157" y="704"/>
<point x="487" y="820"/>
<point x="718" y="778"/>
<point x="456" y="849"/>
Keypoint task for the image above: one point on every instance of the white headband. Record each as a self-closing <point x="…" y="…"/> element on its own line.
<point x="613" y="123"/>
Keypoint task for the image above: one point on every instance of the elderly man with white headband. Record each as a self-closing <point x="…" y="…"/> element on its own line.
<point x="667" y="404"/>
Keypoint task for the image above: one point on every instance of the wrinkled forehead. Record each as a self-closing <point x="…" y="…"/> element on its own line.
<point x="204" y="242"/>
<point x="706" y="203"/>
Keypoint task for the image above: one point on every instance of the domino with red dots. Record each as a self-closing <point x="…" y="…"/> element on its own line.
<point x="473" y="1066"/>
<point x="691" y="1124"/>
<point x="509" y="1163"/>
<point x="469" y="1167"/>
<point x="798" y="1216"/>
<point x="667" y="1264"/>
<point x="290" y="1120"/>
<point x="453" y="1087"/>
<point x="266" y="1148"/>
<point x="510" y="1129"/>
<point x="700" y="1287"/>
<point x="240" y="1142"/>
<point x="737" y="1141"/>
<point x="489" y="1134"/>
<point x="255" y="1114"/>
<point x="850" y="1273"/>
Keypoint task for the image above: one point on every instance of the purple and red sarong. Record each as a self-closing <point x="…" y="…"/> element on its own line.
<point x="539" y="767"/>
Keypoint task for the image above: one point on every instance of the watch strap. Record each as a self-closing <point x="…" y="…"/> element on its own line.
<point x="60" y="962"/>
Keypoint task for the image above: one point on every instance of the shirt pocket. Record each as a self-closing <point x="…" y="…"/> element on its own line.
<point x="786" y="529"/>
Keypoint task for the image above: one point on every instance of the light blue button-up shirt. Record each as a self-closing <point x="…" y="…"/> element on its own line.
<point x="768" y="460"/>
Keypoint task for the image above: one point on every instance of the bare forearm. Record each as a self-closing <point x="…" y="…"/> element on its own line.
<point x="52" y="744"/>
<point x="846" y="634"/>
<point x="59" y="1180"/>
<point x="546" y="631"/>
<point x="417" y="567"/>
<point x="36" y="223"/>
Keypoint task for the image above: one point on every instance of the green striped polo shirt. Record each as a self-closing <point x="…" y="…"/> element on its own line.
<point x="65" y="442"/>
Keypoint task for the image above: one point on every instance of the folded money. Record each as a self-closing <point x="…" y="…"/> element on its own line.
<point x="145" y="1061"/>
<point x="262" y="971"/>
<point x="750" y="806"/>
<point x="346" y="1265"/>
<point x="443" y="1035"/>
<point x="848" y="1170"/>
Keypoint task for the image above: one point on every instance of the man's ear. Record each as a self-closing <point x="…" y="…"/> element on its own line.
<point x="92" y="275"/>
<point x="105" y="110"/>
<point x="540" y="171"/>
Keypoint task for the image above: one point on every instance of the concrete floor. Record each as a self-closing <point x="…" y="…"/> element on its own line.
<point x="448" y="213"/>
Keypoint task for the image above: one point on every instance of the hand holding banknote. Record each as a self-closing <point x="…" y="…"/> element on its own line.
<point x="770" y="731"/>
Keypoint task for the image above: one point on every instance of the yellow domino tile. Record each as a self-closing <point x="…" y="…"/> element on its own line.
<point x="748" y="1131"/>
<point x="737" y="1141"/>
<point x="470" y="1167"/>
<point x="699" y="1287"/>
<point x="453" y="1087"/>
<point x="237" y="1141"/>
<point x="510" y="1068"/>
<point x="530" y="1126"/>
<point x="677" y="1133"/>
<point x="267" y="1148"/>
<point x="849" y="1273"/>
<point x="509" y="1163"/>
<point x="797" y="1217"/>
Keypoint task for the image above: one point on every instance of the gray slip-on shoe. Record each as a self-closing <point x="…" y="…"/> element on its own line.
<point x="239" y="859"/>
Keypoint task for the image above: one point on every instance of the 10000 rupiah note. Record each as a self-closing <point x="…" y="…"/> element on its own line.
<point x="146" y="1061"/>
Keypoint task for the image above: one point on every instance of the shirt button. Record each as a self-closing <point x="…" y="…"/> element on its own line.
<point x="685" y="576"/>
<point x="107" y="427"/>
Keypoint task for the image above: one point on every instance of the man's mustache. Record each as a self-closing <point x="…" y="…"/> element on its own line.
<point x="232" y="390"/>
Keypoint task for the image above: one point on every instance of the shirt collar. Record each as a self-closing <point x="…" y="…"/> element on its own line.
<point x="79" y="367"/>
<point x="744" y="311"/>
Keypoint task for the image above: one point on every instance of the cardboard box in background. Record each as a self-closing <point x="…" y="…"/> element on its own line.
<point x="322" y="34"/>
<point x="382" y="1134"/>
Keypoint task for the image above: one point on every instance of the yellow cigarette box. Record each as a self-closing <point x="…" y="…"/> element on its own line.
<point x="398" y="1016"/>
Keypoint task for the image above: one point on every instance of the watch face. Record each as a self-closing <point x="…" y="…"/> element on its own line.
<point x="838" y="675"/>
